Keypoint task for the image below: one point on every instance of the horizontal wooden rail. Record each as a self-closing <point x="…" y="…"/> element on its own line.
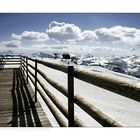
<point x="30" y="58"/>
<point x="9" y="60"/>
<point x="33" y="67"/>
<point x="96" y="113"/>
<point x="120" y="87"/>
<point x="5" y="57"/>
<point x="11" y="64"/>
<point x="9" y="56"/>
<point x="59" y="67"/>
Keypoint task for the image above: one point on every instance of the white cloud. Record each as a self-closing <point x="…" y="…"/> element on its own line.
<point x="118" y="39"/>
<point x="71" y="34"/>
<point x="87" y="37"/>
<point x="54" y="23"/>
<point x="106" y="36"/>
<point x="63" y="36"/>
<point x="12" y="43"/>
<point x="63" y="32"/>
<point x="31" y="35"/>
<point x="119" y="34"/>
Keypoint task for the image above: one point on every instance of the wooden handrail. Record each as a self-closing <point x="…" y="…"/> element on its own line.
<point x="15" y="55"/>
<point x="8" y="58"/>
<point x="96" y="113"/>
<point x="11" y="60"/>
<point x="30" y="59"/>
<point x="59" y="67"/>
<point x="11" y="63"/>
<point x="89" y="108"/>
<point x="120" y="87"/>
<point x="85" y="105"/>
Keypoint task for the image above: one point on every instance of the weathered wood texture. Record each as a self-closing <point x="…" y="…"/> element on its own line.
<point x="17" y="106"/>
<point x="119" y="86"/>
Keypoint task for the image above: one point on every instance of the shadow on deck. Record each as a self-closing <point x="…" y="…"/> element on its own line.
<point x="19" y="108"/>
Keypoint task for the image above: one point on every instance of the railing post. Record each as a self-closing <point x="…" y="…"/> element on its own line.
<point x="70" y="96"/>
<point x="21" y="62"/>
<point x="35" y="80"/>
<point x="27" y="69"/>
<point x="24" y="62"/>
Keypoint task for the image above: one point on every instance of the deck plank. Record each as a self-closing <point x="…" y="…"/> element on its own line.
<point x="17" y="106"/>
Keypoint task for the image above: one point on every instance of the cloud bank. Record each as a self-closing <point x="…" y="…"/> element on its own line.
<point x="119" y="34"/>
<point x="60" y="34"/>
<point x="72" y="34"/>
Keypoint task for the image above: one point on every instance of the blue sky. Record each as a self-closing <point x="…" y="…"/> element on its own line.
<point x="13" y="22"/>
<point x="101" y="27"/>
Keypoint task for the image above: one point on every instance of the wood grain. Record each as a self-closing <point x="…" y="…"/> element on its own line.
<point x="17" y="106"/>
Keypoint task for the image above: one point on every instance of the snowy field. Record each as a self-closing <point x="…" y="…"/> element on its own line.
<point x="122" y="109"/>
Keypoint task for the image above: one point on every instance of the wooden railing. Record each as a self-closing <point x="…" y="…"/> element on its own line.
<point x="115" y="85"/>
<point x="68" y="113"/>
<point x="9" y="60"/>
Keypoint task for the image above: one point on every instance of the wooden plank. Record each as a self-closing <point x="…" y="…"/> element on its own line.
<point x="17" y="107"/>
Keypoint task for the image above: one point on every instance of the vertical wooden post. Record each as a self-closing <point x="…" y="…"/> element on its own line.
<point x="27" y="69"/>
<point x="70" y="96"/>
<point x="35" y="80"/>
<point x="21" y="62"/>
<point x="23" y="68"/>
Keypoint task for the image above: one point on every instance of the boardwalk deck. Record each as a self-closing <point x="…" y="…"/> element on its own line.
<point x="17" y="106"/>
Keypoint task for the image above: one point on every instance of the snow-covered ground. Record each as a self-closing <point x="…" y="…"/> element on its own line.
<point x="122" y="109"/>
